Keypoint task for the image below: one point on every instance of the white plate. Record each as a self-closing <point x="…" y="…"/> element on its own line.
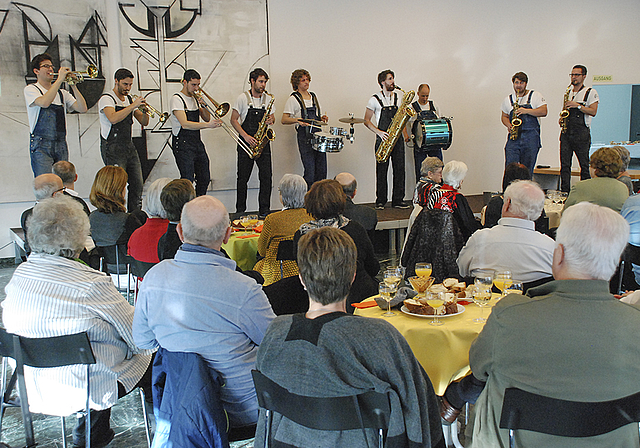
<point x="406" y="311"/>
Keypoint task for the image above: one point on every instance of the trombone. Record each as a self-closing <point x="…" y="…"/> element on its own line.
<point x="77" y="77"/>
<point x="219" y="111"/>
<point x="151" y="111"/>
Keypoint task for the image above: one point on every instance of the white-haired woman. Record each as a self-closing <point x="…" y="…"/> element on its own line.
<point x="446" y="197"/>
<point x="143" y="243"/>
<point x="280" y="226"/>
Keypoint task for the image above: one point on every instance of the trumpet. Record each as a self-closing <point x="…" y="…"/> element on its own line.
<point x="77" y="77"/>
<point x="148" y="109"/>
<point x="218" y="111"/>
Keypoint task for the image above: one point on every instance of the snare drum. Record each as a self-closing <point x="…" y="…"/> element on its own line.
<point x="328" y="142"/>
<point x="432" y="134"/>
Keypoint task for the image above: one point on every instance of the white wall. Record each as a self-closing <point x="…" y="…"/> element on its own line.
<point x="466" y="50"/>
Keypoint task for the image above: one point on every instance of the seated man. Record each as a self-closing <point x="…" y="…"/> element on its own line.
<point x="514" y="243"/>
<point x="328" y="353"/>
<point x="364" y="215"/>
<point x="54" y="294"/>
<point x="173" y="197"/>
<point x="198" y="303"/>
<point x="67" y="172"/>
<point x="44" y="186"/>
<point x="570" y="340"/>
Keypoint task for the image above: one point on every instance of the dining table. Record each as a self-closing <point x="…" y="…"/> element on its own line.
<point x="242" y="248"/>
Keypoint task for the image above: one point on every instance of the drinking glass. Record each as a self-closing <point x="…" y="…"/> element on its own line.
<point x="514" y="288"/>
<point x="423" y="269"/>
<point x="484" y="278"/>
<point x="393" y="276"/>
<point x="482" y="298"/>
<point x="502" y="280"/>
<point x="252" y="221"/>
<point x="386" y="293"/>
<point x="400" y="269"/>
<point x="435" y="300"/>
<point x="421" y="284"/>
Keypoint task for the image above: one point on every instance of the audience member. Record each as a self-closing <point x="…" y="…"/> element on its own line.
<point x="67" y="172"/>
<point x="366" y="216"/>
<point x="430" y="176"/>
<point x="329" y="353"/>
<point x="198" y="303"/>
<point x="325" y="201"/>
<point x="54" y="294"/>
<point x="173" y="197"/>
<point x="143" y="243"/>
<point x="514" y="243"/>
<point x="281" y="226"/>
<point x="631" y="213"/>
<point x="570" y="339"/>
<point x="44" y="186"/>
<point x="603" y="189"/>
<point x="446" y="197"/>
<point x="624" y="177"/>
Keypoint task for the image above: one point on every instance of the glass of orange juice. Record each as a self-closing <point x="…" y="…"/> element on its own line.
<point x="502" y="280"/>
<point x="423" y="269"/>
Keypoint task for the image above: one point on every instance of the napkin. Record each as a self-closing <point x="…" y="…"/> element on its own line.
<point x="402" y="294"/>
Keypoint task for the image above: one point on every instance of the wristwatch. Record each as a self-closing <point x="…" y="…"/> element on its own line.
<point x="579" y="106"/>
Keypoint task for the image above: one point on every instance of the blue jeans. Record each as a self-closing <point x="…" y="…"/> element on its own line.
<point x="45" y="152"/>
<point x="125" y="155"/>
<point x="314" y="162"/>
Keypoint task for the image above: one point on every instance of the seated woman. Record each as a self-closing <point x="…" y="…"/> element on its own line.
<point x="110" y="223"/>
<point x="143" y="243"/>
<point x="514" y="171"/>
<point x="325" y="202"/>
<point x="624" y="177"/>
<point x="280" y="226"/>
<point x="603" y="189"/>
<point x="329" y="353"/>
<point x="446" y="197"/>
<point x="430" y="176"/>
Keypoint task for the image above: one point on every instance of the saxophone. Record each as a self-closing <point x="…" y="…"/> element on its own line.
<point x="564" y="114"/>
<point x="405" y="111"/>
<point x="516" y="122"/>
<point x="264" y="134"/>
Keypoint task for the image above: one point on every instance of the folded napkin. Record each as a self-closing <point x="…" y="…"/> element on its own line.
<point x="402" y="294"/>
<point x="248" y="235"/>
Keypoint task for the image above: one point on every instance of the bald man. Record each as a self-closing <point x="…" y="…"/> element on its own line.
<point x="44" y="186"/>
<point x="198" y="303"/>
<point x="365" y="216"/>
<point x="67" y="172"/>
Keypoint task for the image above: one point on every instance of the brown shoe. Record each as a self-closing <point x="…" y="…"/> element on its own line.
<point x="448" y="413"/>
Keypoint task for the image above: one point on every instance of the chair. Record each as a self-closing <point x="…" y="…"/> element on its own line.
<point x="367" y="410"/>
<point x="139" y="269"/>
<point x="625" y="277"/>
<point x="42" y="353"/>
<point x="285" y="253"/>
<point x="114" y="260"/>
<point x="532" y="412"/>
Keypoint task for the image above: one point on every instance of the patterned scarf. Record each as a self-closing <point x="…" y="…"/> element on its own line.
<point x="443" y="197"/>
<point x="338" y="223"/>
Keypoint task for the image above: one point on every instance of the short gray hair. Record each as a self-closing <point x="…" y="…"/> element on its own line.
<point x="624" y="155"/>
<point x="58" y="226"/>
<point x="527" y="199"/>
<point x="454" y="172"/>
<point x="152" y="203"/>
<point x="44" y="190"/>
<point x="593" y="238"/>
<point x="430" y="165"/>
<point x="292" y="187"/>
<point x="212" y="232"/>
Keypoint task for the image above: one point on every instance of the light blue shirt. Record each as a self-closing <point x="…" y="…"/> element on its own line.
<point x="198" y="303"/>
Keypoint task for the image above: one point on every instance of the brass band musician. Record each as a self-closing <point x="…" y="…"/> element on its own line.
<point x="425" y="109"/>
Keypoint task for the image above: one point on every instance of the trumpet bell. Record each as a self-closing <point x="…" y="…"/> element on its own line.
<point x="92" y="71"/>
<point x="222" y="109"/>
<point x="163" y="117"/>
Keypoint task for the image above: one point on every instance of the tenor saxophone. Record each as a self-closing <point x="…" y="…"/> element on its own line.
<point x="264" y="134"/>
<point x="405" y="111"/>
<point x="564" y="114"/>
<point x="516" y="122"/>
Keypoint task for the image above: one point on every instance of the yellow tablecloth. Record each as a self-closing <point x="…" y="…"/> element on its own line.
<point x="243" y="250"/>
<point x="442" y="350"/>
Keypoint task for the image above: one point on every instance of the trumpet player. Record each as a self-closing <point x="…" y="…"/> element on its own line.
<point x="248" y="111"/>
<point x="582" y="105"/>
<point x="187" y="108"/>
<point x="46" y="105"/>
<point x="524" y="109"/>
<point x="116" y="112"/>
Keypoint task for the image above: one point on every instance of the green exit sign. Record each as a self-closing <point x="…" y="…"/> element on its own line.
<point x="602" y="78"/>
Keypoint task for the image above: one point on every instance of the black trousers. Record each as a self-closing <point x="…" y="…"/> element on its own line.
<point x="576" y="141"/>
<point x="397" y="163"/>
<point x="245" y="167"/>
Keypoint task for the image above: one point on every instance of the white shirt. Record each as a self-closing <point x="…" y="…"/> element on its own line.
<point x="513" y="244"/>
<point x="537" y="100"/>
<point x="242" y="104"/>
<point x="31" y="93"/>
<point x="387" y="100"/>
<point x="579" y="98"/>
<point x="176" y="104"/>
<point x="109" y="99"/>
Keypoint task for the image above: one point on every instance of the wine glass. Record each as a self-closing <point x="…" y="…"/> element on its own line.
<point x="502" y="280"/>
<point x="483" y="278"/>
<point x="423" y="269"/>
<point x="514" y="288"/>
<point x="482" y="297"/>
<point x="393" y="275"/>
<point x="252" y="221"/>
<point x="435" y="300"/>
<point x="386" y="292"/>
<point x="401" y="270"/>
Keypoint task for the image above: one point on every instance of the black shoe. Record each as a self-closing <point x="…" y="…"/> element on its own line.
<point x="379" y="206"/>
<point x="108" y="437"/>
<point x="402" y="204"/>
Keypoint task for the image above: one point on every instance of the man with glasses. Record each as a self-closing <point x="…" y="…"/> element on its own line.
<point x="582" y="104"/>
<point x="46" y="104"/>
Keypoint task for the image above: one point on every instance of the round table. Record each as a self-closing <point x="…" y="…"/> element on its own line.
<point x="442" y="350"/>
<point x="242" y="247"/>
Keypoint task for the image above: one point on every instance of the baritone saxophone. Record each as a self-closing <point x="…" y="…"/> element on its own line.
<point x="405" y="111"/>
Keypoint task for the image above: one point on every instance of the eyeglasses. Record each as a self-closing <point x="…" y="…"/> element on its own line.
<point x="576" y="74"/>
<point x="46" y="66"/>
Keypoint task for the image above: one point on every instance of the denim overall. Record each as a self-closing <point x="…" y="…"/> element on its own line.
<point x="47" y="143"/>
<point x="314" y="162"/>
<point x="525" y="148"/>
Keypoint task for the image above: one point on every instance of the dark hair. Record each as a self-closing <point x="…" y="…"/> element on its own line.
<point x="606" y="162"/>
<point x="350" y="188"/>
<point x="327" y="260"/>
<point x="296" y="77"/>
<point x="122" y="73"/>
<point x="256" y="73"/>
<point x="325" y="199"/>
<point x="39" y="59"/>
<point x="522" y="76"/>
<point x="190" y="74"/>
<point x="514" y="171"/>
<point x="64" y="170"/>
<point x="382" y="76"/>
<point x="174" y="195"/>
<point x="581" y="67"/>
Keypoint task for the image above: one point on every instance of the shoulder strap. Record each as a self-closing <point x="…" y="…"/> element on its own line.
<point x="184" y="103"/>
<point x="303" y="110"/>
<point x="586" y="96"/>
<point x="431" y="105"/>
<point x="529" y="98"/>
<point x="416" y="106"/>
<point x="314" y="98"/>
<point x="511" y="99"/>
<point x="248" y="95"/>
<point x="110" y="96"/>
<point x="375" y="95"/>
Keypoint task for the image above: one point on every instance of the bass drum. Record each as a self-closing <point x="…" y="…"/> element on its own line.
<point x="326" y="142"/>
<point x="432" y="134"/>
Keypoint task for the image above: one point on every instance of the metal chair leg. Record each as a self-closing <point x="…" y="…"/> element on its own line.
<point x="64" y="432"/>
<point x="147" y="424"/>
